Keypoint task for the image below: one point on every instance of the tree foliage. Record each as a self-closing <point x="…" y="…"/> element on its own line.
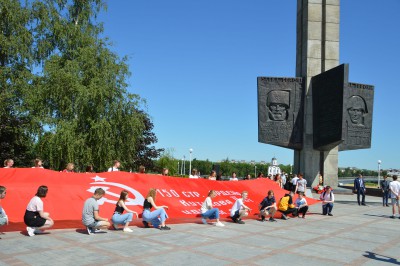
<point x="67" y="90"/>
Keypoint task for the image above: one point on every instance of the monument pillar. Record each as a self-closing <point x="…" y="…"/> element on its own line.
<point x="317" y="51"/>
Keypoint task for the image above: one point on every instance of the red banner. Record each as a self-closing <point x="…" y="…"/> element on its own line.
<point x="68" y="191"/>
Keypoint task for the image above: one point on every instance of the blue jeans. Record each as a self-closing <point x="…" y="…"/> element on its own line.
<point x="211" y="214"/>
<point x="152" y="217"/>
<point x="122" y="218"/>
<point x="385" y="197"/>
<point x="327" y="208"/>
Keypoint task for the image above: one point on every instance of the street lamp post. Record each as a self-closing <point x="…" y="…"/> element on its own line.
<point x="178" y="167"/>
<point x="379" y="173"/>
<point x="184" y="165"/>
<point x="190" y="160"/>
<point x="255" y="171"/>
<point x="290" y="168"/>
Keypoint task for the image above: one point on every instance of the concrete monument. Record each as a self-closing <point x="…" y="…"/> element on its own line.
<point x="320" y="111"/>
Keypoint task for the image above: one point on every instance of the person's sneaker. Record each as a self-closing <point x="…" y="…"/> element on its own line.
<point x="127" y="230"/>
<point x="115" y="227"/>
<point x="203" y="220"/>
<point x="304" y="217"/>
<point x="38" y="231"/>
<point x="240" y="222"/>
<point x="234" y="219"/>
<point x="262" y="218"/>
<point x="219" y="224"/>
<point x="272" y="219"/>
<point x="284" y="217"/>
<point x="89" y="230"/>
<point x="330" y="214"/>
<point x="30" y="230"/>
<point x="392" y="217"/>
<point x="164" y="228"/>
<point x="146" y="224"/>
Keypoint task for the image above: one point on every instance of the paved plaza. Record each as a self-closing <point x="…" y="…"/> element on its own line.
<point x="355" y="235"/>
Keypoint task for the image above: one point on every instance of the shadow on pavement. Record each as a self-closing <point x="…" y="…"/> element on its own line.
<point x="374" y="256"/>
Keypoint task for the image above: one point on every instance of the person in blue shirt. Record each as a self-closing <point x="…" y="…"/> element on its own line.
<point x="268" y="207"/>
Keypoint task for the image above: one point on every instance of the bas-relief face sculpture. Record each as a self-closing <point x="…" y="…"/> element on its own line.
<point x="357" y="109"/>
<point x="278" y="105"/>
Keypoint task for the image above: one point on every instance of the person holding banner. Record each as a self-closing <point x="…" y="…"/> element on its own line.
<point x="207" y="210"/>
<point x="119" y="217"/>
<point x="240" y="210"/>
<point x="158" y="216"/>
<point x="35" y="218"/>
<point x="90" y="213"/>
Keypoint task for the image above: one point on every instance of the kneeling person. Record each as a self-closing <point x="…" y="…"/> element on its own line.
<point x="268" y="207"/>
<point x="90" y="213"/>
<point x="286" y="206"/>
<point x="207" y="210"/>
<point x="301" y="205"/>
<point x="240" y="210"/>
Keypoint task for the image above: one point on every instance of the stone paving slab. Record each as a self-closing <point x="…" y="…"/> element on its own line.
<point x="355" y="235"/>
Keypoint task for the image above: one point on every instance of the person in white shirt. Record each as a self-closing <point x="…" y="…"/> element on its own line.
<point x="194" y="174"/>
<point x="283" y="178"/>
<point x="213" y="175"/>
<point x="239" y="209"/>
<point x="115" y="167"/>
<point x="301" y="205"/>
<point x="3" y="214"/>
<point x="207" y="210"/>
<point x="328" y="199"/>
<point x="301" y="184"/>
<point x="294" y="181"/>
<point x="233" y="178"/>
<point x="395" y="196"/>
<point x="35" y="218"/>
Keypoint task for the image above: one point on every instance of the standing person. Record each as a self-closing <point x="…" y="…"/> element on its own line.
<point x="294" y="182"/>
<point x="90" y="213"/>
<point x="233" y="178"/>
<point x="115" y="167"/>
<point x="165" y="172"/>
<point x="301" y="205"/>
<point x="328" y="199"/>
<point x="260" y="175"/>
<point x="395" y="196"/>
<point x="278" y="180"/>
<point x="8" y="163"/>
<point x="283" y="178"/>
<point x="268" y="207"/>
<point x="194" y="174"/>
<point x="301" y="184"/>
<point x="385" y="186"/>
<point x="239" y="209"/>
<point x="89" y="169"/>
<point x="286" y="206"/>
<point x="213" y="175"/>
<point x="3" y="214"/>
<point x="142" y="169"/>
<point x="359" y="188"/>
<point x="207" y="210"/>
<point x="38" y="163"/>
<point x="119" y="217"/>
<point x="248" y="177"/>
<point x="69" y="168"/>
<point x="35" y="218"/>
<point x="158" y="216"/>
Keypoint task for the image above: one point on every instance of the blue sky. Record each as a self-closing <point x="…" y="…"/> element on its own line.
<point x="196" y="63"/>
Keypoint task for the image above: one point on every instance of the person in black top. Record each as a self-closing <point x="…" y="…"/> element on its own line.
<point x="268" y="207"/>
<point x="385" y="186"/>
<point x="152" y="216"/>
<point x="119" y="217"/>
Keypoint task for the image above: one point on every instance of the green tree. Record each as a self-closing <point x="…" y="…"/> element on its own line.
<point x="15" y="61"/>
